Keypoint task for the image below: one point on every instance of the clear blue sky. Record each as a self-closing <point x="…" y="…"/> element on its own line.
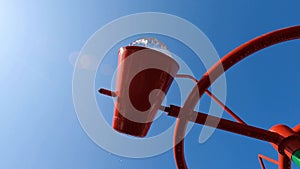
<point x="38" y="124"/>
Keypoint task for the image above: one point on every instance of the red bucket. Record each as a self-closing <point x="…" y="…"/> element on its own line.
<point x="143" y="79"/>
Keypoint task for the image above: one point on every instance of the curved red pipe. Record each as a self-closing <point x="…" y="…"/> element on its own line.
<point x="217" y="70"/>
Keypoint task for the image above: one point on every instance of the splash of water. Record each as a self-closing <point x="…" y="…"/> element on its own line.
<point x="152" y="43"/>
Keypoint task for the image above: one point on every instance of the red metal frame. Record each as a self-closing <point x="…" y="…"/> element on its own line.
<point x="284" y="139"/>
<point x="217" y="70"/>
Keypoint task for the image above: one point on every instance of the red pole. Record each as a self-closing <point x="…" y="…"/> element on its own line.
<point x="261" y="157"/>
<point x="228" y="125"/>
<point x="284" y="162"/>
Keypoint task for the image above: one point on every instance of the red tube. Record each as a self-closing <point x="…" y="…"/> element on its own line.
<point x="227" y="109"/>
<point x="261" y="157"/>
<point x="284" y="162"/>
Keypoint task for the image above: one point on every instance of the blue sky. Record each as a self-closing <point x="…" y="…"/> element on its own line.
<point x="39" y="127"/>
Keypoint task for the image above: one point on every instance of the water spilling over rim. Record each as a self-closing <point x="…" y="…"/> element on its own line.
<point x="152" y="43"/>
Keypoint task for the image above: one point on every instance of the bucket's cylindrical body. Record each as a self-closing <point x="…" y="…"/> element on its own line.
<point x="143" y="79"/>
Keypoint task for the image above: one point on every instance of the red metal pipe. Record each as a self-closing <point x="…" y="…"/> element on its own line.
<point x="107" y="92"/>
<point x="261" y="157"/>
<point x="227" y="109"/>
<point x="284" y="162"/>
<point x="228" y="125"/>
<point x="217" y="70"/>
